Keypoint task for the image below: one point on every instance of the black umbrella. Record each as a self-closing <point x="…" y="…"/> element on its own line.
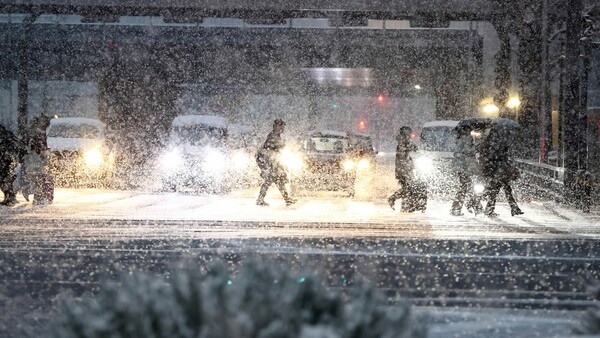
<point x="503" y="132"/>
<point x="475" y="123"/>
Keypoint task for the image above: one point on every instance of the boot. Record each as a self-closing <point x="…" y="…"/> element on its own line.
<point x="262" y="203"/>
<point x="289" y="201"/>
<point x="515" y="211"/>
<point x="10" y="199"/>
<point x="456" y="212"/>
<point x="489" y="212"/>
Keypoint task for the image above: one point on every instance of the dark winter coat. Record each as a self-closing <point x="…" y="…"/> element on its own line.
<point x="10" y="152"/>
<point x="497" y="162"/>
<point x="404" y="162"/>
<point x="465" y="156"/>
<point x="267" y="158"/>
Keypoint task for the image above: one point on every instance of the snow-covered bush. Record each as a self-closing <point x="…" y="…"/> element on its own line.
<point x="260" y="302"/>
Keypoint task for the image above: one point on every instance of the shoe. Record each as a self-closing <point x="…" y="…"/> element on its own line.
<point x="290" y="201"/>
<point x="456" y="212"/>
<point x="391" y="202"/>
<point x="262" y="203"/>
<point x="516" y="211"/>
<point x="491" y="214"/>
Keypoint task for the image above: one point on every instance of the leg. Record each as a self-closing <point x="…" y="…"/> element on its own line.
<point x="464" y="183"/>
<point x="400" y="193"/>
<point x="492" y="192"/>
<point x="514" y="208"/>
<point x="280" y="183"/>
<point x="263" y="191"/>
<point x="6" y="184"/>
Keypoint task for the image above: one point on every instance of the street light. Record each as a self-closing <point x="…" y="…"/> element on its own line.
<point x="418" y="87"/>
<point x="490" y="109"/>
<point x="514" y="103"/>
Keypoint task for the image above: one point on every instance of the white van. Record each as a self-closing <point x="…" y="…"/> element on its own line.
<point x="80" y="151"/>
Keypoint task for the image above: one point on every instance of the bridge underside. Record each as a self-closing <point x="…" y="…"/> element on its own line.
<point x="255" y="60"/>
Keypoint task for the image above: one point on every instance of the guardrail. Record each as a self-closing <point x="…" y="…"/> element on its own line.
<point x="542" y="178"/>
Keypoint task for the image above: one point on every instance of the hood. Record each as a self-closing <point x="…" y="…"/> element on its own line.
<point x="72" y="144"/>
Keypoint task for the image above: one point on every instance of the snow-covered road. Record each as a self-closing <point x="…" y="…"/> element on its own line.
<point x="314" y="215"/>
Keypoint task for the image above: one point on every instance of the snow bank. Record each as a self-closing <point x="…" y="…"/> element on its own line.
<point x="208" y="120"/>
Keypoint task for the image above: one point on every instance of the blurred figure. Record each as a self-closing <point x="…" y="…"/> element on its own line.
<point x="466" y="165"/>
<point x="10" y="153"/>
<point x="499" y="170"/>
<point x="404" y="165"/>
<point x="37" y="161"/>
<point x="271" y="170"/>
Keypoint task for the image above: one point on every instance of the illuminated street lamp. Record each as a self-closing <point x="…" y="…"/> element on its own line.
<point x="514" y="103"/>
<point x="417" y="87"/>
<point x="490" y="109"/>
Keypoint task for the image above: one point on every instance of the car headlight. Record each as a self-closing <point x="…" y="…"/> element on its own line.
<point x="348" y="165"/>
<point x="214" y="162"/>
<point x="363" y="164"/>
<point x="241" y="160"/>
<point x="93" y="157"/>
<point x="424" y="165"/>
<point x="291" y="160"/>
<point x="171" y="160"/>
<point x="478" y="188"/>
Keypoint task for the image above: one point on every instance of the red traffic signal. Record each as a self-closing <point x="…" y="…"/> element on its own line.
<point x="380" y="98"/>
<point x="362" y="125"/>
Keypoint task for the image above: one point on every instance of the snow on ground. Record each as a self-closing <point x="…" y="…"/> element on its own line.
<point x="321" y="212"/>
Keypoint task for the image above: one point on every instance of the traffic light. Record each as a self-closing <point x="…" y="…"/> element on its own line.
<point x="380" y="98"/>
<point x="362" y="125"/>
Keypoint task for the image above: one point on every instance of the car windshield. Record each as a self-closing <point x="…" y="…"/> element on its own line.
<point x="438" y="139"/>
<point x="327" y="144"/>
<point x="74" y="131"/>
<point x="199" y="135"/>
<point x="361" y="143"/>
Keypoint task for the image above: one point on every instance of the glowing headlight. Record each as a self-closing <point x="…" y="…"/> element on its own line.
<point x="291" y="160"/>
<point x="348" y="165"/>
<point x="171" y="160"/>
<point x="424" y="164"/>
<point x="214" y="162"/>
<point x="478" y="188"/>
<point x="240" y="160"/>
<point x="93" y="157"/>
<point x="363" y="164"/>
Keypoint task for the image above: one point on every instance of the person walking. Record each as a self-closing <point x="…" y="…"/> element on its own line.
<point x="271" y="169"/>
<point x="466" y="166"/>
<point x="499" y="170"/>
<point x="10" y="153"/>
<point x="404" y="165"/>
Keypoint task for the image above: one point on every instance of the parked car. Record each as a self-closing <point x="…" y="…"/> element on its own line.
<point x="197" y="154"/>
<point x="433" y="160"/>
<point x="324" y="161"/>
<point x="81" y="153"/>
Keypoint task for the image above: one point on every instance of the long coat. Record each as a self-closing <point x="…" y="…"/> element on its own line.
<point x="465" y="156"/>
<point x="267" y="158"/>
<point x="404" y="162"/>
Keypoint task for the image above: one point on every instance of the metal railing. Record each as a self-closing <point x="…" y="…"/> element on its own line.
<point x="542" y="178"/>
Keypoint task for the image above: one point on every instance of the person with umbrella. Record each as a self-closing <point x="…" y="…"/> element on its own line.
<point x="498" y="166"/>
<point x="466" y="164"/>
